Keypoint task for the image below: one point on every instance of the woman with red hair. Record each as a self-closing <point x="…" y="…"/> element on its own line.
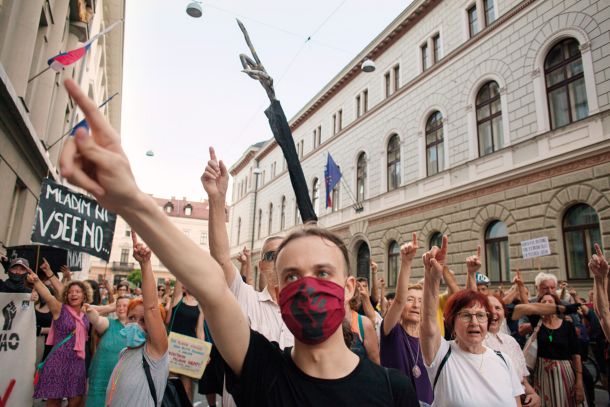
<point x="463" y="371"/>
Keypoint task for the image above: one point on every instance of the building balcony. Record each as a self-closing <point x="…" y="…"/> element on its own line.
<point x="122" y="266"/>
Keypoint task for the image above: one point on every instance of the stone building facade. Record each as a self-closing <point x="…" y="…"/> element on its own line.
<point x="485" y="120"/>
<point x="35" y="111"/>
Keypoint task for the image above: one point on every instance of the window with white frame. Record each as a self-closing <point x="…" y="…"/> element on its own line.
<point x="393" y="162"/>
<point x="489" y="118"/>
<point x="360" y="177"/>
<point x="435" y="152"/>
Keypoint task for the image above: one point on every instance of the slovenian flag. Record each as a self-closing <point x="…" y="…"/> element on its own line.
<point x="63" y="59"/>
<point x="83" y="123"/>
<point x="332" y="175"/>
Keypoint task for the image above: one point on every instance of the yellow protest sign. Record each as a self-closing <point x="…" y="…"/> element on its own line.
<point x="188" y="356"/>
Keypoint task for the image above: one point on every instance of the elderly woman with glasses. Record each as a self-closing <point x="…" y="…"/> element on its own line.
<point x="463" y="372"/>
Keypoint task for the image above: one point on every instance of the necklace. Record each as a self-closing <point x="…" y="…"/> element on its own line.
<point x="415" y="369"/>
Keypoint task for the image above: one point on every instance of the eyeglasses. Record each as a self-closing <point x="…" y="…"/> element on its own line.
<point x="467" y="316"/>
<point x="161" y="289"/>
<point x="270" y="255"/>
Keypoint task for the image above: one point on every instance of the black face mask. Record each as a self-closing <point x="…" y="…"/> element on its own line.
<point x="17" y="279"/>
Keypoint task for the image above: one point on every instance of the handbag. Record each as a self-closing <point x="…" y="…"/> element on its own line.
<point x="174" y="395"/>
<point x="530" y="350"/>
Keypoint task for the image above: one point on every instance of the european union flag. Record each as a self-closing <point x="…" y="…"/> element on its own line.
<point x="332" y="175"/>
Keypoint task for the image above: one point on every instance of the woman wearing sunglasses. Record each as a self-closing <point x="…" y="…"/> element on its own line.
<point x="463" y="371"/>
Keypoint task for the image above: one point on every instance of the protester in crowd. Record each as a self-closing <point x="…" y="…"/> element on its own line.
<point x="245" y="266"/>
<point x="185" y="318"/>
<point x="106" y="292"/>
<point x="64" y="373"/>
<point x="164" y="293"/>
<point x="50" y="278"/>
<point x="400" y="346"/>
<point x="500" y="341"/>
<point x="95" y="289"/>
<point x="463" y="372"/>
<point x="558" y="374"/>
<point x="17" y="274"/>
<point x="364" y="339"/>
<point x="146" y="341"/>
<point x="108" y="349"/>
<point x="373" y="289"/>
<point x="123" y="289"/>
<point x="370" y="312"/>
<point x="310" y="263"/>
<point x="545" y="283"/>
<point x="452" y="288"/>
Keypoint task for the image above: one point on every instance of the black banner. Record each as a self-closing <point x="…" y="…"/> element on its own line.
<point x="34" y="253"/>
<point x="70" y="220"/>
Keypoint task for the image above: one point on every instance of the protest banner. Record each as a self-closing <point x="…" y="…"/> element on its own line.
<point x="70" y="220"/>
<point x="188" y="356"/>
<point x="535" y="247"/>
<point x="75" y="260"/>
<point x="17" y="349"/>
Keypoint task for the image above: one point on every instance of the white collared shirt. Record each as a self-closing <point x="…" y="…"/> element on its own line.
<point x="507" y="344"/>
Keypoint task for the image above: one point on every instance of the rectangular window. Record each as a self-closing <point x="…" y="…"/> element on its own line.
<point x="127" y="231"/>
<point x="315" y="138"/>
<point x="425" y="59"/>
<point x="490" y="15"/>
<point x="436" y="41"/>
<point x="365" y="100"/>
<point x="124" y="256"/>
<point x="396" y="70"/>
<point x="334" y="124"/>
<point x="203" y="238"/>
<point x="358" y="106"/>
<point x="387" y="84"/>
<point x="340" y="120"/>
<point x="273" y="169"/>
<point x="473" y="24"/>
<point x="319" y="135"/>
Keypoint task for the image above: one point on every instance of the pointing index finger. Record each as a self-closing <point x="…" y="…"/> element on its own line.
<point x="414" y="238"/>
<point x="134" y="238"/>
<point x="478" y="250"/>
<point x="598" y="250"/>
<point x="212" y="154"/>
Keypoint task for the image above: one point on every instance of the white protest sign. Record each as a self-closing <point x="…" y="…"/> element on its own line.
<point x="17" y="349"/>
<point x="188" y="356"/>
<point x="535" y="247"/>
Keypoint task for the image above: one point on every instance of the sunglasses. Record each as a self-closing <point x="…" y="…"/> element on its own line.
<point x="269" y="256"/>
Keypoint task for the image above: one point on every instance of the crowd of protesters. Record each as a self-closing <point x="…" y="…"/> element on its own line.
<point x="311" y="334"/>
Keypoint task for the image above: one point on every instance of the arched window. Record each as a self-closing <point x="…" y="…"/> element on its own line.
<point x="393" y="162"/>
<point x="260" y="221"/>
<point x="315" y="194"/>
<point x="238" y="229"/>
<point x="393" y="262"/>
<point x="565" y="84"/>
<point x="168" y="208"/>
<point x="363" y="261"/>
<point x="270" y="224"/>
<point x="283" y="213"/>
<point x="188" y="210"/>
<point x="435" y="153"/>
<point x="436" y="240"/>
<point x="580" y="232"/>
<point x="360" y="177"/>
<point x="489" y="118"/>
<point x="297" y="214"/>
<point x="497" y="261"/>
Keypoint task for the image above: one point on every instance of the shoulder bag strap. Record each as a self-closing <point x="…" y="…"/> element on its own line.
<point x="151" y="384"/>
<point x="361" y="327"/>
<point x="440" y="367"/>
<point x="59" y="345"/>
<point x="532" y="337"/>
<point x="497" y="352"/>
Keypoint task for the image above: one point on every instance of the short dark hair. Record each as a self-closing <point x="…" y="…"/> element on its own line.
<point x="390" y="296"/>
<point x="461" y="300"/>
<point x="322" y="234"/>
<point x="362" y="279"/>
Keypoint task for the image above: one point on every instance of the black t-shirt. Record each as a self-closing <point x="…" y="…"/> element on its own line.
<point x="185" y="319"/>
<point x="10" y="287"/>
<point x="269" y="377"/>
<point x="562" y="346"/>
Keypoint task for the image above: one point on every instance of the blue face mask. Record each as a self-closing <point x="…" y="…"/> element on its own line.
<point x="134" y="334"/>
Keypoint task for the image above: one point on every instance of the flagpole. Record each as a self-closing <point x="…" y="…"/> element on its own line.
<point x="356" y="205"/>
<point x="39" y="73"/>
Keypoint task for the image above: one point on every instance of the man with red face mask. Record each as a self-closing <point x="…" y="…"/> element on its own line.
<point x="320" y="369"/>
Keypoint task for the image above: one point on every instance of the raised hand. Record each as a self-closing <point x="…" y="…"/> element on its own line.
<point x="408" y="250"/>
<point x="215" y="178"/>
<point x="32" y="277"/>
<point x="65" y="271"/>
<point x="140" y="251"/>
<point x="96" y="161"/>
<point x="244" y="256"/>
<point x="46" y="268"/>
<point x="434" y="260"/>
<point x="440" y="254"/>
<point x="363" y="290"/>
<point x="473" y="263"/>
<point x="598" y="265"/>
<point x="382" y="282"/>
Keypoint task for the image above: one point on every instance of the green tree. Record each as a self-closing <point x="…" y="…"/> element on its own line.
<point x="135" y="277"/>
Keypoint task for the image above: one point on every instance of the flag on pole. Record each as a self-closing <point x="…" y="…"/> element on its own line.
<point x="63" y="59"/>
<point x="332" y="175"/>
<point x="83" y="123"/>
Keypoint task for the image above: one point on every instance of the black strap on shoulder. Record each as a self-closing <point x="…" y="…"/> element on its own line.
<point x="387" y="377"/>
<point x="497" y="352"/>
<point x="440" y="367"/>
<point x="151" y="384"/>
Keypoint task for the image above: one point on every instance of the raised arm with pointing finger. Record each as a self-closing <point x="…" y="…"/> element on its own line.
<point x="599" y="268"/>
<point x="96" y="161"/>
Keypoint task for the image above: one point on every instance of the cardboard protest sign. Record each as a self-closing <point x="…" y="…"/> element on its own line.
<point x="34" y="253"/>
<point x="70" y="220"/>
<point x="535" y="247"/>
<point x="17" y="349"/>
<point x="188" y="356"/>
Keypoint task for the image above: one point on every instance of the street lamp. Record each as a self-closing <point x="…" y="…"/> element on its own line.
<point x="194" y="9"/>
<point x="368" y="65"/>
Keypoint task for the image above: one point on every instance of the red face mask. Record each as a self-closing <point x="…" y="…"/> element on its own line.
<point x="312" y="309"/>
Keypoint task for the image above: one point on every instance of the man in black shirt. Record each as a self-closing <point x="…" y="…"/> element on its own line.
<point x="314" y="283"/>
<point x="17" y="273"/>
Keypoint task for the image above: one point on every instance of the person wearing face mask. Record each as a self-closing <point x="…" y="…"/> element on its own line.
<point x="400" y="339"/>
<point x="63" y="372"/>
<point x="146" y="344"/>
<point x="108" y="349"/>
<point x="313" y="278"/>
<point x="17" y="274"/>
<point x="463" y="372"/>
<point x="499" y="341"/>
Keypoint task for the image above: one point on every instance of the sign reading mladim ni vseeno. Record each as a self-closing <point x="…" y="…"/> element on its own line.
<point x="70" y="220"/>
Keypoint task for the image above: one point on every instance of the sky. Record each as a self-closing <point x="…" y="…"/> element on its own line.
<point x="183" y="89"/>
